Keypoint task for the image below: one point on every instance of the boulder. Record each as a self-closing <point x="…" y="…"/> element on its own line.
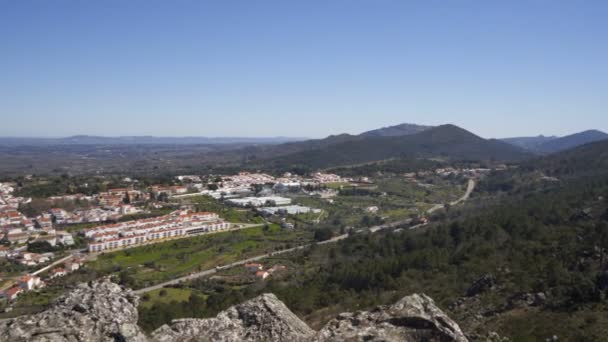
<point x="264" y="318"/>
<point x="100" y="311"/>
<point x="413" y="318"/>
<point x="104" y="311"/>
<point x="483" y="284"/>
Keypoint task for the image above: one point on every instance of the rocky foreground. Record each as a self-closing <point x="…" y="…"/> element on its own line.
<point x="104" y="311"/>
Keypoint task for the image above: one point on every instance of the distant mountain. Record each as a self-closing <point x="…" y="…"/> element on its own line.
<point x="585" y="160"/>
<point x="142" y="140"/>
<point x="542" y="144"/>
<point x="446" y="141"/>
<point x="529" y="143"/>
<point x="397" y="130"/>
<point x="571" y="141"/>
<point x="271" y="151"/>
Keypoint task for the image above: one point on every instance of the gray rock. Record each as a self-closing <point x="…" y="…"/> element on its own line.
<point x="264" y="318"/>
<point x="483" y="284"/>
<point x="413" y="318"/>
<point x="104" y="311"/>
<point x="101" y="311"/>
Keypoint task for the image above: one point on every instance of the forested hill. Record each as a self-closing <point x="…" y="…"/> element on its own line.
<point x="589" y="159"/>
<point x="446" y="141"/>
<point x="397" y="130"/>
<point x="553" y="144"/>
<point x="571" y="141"/>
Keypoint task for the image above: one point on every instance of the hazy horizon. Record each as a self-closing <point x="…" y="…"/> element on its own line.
<point x="310" y="69"/>
<point x="270" y="136"/>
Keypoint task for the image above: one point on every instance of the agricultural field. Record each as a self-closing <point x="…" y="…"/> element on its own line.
<point x="165" y="296"/>
<point x="148" y="265"/>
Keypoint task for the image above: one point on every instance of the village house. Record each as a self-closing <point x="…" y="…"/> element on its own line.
<point x="59" y="215"/>
<point x="64" y="238"/>
<point x="16" y="235"/>
<point x="262" y="274"/>
<point x="29" y="282"/>
<point x="44" y="222"/>
<point x="73" y="265"/>
<point x="12" y="293"/>
<point x="57" y="272"/>
<point x="276" y="268"/>
<point x="51" y="239"/>
<point x="32" y="259"/>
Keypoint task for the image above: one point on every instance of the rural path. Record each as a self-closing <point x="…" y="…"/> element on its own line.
<point x="470" y="187"/>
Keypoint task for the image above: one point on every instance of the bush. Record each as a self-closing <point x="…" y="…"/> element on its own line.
<point x="323" y="234"/>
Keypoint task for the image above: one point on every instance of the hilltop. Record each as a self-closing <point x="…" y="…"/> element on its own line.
<point x="445" y="141"/>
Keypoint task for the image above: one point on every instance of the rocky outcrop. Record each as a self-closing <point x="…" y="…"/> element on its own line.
<point x="104" y="311"/>
<point x="264" y="318"/>
<point x="413" y="318"/>
<point x="101" y="311"/>
<point x="483" y="284"/>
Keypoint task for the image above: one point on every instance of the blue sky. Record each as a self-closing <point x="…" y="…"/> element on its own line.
<point x="301" y="68"/>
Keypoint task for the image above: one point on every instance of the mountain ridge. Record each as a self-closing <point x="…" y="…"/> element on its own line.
<point x="553" y="144"/>
<point x="447" y="141"/>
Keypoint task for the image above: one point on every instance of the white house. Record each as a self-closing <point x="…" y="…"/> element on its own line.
<point x="30" y="282"/>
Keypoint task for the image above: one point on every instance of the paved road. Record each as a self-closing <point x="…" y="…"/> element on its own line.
<point x="215" y="270"/>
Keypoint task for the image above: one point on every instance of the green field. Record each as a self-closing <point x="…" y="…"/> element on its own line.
<point x="165" y="296"/>
<point x="152" y="264"/>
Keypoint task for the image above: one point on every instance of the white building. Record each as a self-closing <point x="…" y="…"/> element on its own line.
<point x="260" y="201"/>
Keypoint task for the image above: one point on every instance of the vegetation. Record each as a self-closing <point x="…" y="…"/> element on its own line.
<point x="148" y="265"/>
<point x="532" y="242"/>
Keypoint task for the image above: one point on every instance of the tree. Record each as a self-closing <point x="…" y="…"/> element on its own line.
<point x="40" y="247"/>
<point x="322" y="234"/>
<point x="127" y="198"/>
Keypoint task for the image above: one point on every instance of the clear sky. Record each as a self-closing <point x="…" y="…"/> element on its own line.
<point x="301" y="68"/>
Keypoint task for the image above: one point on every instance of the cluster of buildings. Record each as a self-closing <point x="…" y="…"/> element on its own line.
<point x="243" y="183"/>
<point x="170" y="190"/>
<point x="24" y="284"/>
<point x="29" y="259"/>
<point x="16" y="228"/>
<point x="180" y="223"/>
<point x="93" y="214"/>
<point x="473" y="172"/>
<point x="13" y="224"/>
<point x="258" y="270"/>
<point x="288" y="210"/>
<point x="32" y="282"/>
<point x="67" y="267"/>
<point x="254" y="202"/>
